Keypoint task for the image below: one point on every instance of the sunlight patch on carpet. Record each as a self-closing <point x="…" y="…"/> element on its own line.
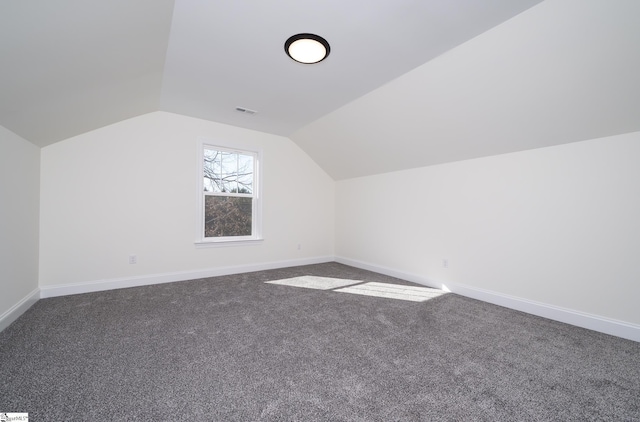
<point x="314" y="282"/>
<point x="393" y="291"/>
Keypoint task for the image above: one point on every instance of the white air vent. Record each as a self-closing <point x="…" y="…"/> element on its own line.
<point x="245" y="110"/>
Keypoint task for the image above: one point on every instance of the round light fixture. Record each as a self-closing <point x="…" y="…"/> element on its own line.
<point x="307" y="48"/>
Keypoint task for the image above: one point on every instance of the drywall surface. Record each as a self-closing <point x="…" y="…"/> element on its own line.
<point x="131" y="189"/>
<point x="561" y="71"/>
<point x="557" y="225"/>
<point x="19" y="195"/>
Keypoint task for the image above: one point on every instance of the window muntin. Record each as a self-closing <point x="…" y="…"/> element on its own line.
<point x="229" y="206"/>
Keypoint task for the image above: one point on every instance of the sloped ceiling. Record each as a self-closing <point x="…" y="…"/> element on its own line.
<point x="407" y="84"/>
<point x="71" y="66"/>
<point x="563" y="71"/>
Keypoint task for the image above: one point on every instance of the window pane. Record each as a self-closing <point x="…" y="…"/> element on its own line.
<point x="228" y="172"/>
<point x="227" y="216"/>
<point x="212" y="171"/>
<point x="245" y="173"/>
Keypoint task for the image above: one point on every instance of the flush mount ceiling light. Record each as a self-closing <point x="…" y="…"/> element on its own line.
<point x="307" y="48"/>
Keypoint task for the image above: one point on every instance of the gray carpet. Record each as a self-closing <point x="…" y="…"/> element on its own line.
<point x="236" y="349"/>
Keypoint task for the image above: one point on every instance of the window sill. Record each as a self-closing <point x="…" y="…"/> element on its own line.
<point x="222" y="243"/>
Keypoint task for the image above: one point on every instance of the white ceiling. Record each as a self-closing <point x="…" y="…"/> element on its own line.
<point x="563" y="71"/>
<point x="224" y="54"/>
<point x="408" y="83"/>
<point x="71" y="66"/>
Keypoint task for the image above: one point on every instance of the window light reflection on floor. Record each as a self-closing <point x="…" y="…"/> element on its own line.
<point x="393" y="291"/>
<point x="386" y="290"/>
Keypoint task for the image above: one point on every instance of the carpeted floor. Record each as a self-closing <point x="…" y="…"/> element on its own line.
<point x="234" y="348"/>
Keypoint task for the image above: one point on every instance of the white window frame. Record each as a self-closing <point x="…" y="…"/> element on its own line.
<point x="256" y="217"/>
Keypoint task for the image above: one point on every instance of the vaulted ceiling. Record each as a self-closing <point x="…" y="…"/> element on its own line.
<point x="408" y="82"/>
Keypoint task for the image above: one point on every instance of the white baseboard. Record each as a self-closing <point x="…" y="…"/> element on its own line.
<point x="18" y="309"/>
<point x="569" y="316"/>
<point x="124" y="282"/>
<point x="581" y="319"/>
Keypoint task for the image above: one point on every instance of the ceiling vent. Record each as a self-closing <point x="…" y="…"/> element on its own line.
<point x="245" y="110"/>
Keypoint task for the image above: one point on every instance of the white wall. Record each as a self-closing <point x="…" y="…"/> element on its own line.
<point x="557" y="225"/>
<point x="130" y="188"/>
<point x="19" y="196"/>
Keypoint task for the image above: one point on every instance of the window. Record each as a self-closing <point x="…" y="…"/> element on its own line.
<point x="228" y="195"/>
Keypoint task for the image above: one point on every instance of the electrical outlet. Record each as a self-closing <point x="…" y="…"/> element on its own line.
<point x="133" y="259"/>
<point x="299" y="246"/>
<point x="445" y="263"/>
